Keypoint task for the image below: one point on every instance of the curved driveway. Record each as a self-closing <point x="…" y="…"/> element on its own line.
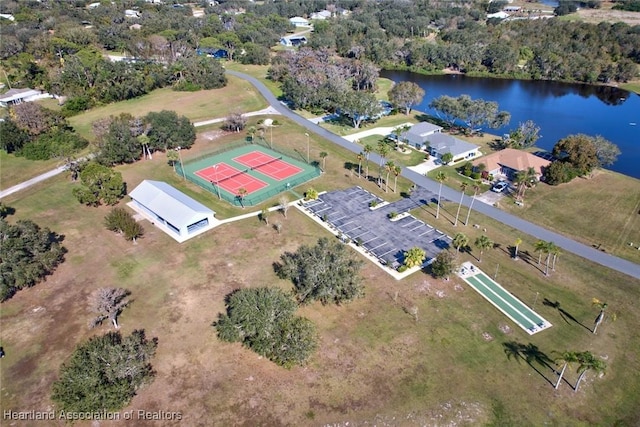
<point x="513" y="221"/>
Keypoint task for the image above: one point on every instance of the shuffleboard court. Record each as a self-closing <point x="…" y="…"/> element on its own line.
<point x="273" y="167"/>
<point x="503" y="300"/>
<point x="230" y="179"/>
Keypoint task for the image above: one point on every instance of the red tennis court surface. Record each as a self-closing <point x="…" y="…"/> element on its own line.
<point x="271" y="166"/>
<point x="230" y="179"/>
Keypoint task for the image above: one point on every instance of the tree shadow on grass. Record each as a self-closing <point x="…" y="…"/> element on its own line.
<point x="566" y="316"/>
<point x="526" y="257"/>
<point x="532" y="355"/>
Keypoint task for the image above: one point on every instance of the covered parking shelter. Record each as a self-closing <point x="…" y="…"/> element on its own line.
<point x="172" y="211"/>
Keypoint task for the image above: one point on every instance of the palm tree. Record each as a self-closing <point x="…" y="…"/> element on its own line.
<point x="397" y="170"/>
<point x="483" y="242"/>
<point x="550" y="249"/>
<point x="602" y="306"/>
<point x="525" y="179"/>
<point x="414" y="257"/>
<point x="242" y="192"/>
<point x="463" y="187"/>
<point x="588" y="362"/>
<point x="398" y="131"/>
<point x="383" y="151"/>
<point x="172" y="157"/>
<point x="517" y="243"/>
<point x="323" y="156"/>
<point x="555" y="252"/>
<point x="367" y="150"/>
<point x="567" y="358"/>
<point x="440" y="177"/>
<point x="360" y="157"/>
<point x="389" y="166"/>
<point x="476" y="188"/>
<point x="251" y="131"/>
<point x="460" y="240"/>
<point x="541" y="247"/>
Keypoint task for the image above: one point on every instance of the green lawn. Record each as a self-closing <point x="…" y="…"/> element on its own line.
<point x="201" y="105"/>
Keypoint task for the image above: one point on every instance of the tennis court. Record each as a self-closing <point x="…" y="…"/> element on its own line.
<point x="230" y="179"/>
<point x="503" y="300"/>
<point x="246" y="174"/>
<point x="273" y="167"/>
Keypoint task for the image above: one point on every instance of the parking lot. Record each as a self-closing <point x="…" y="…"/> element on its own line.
<point x="349" y="213"/>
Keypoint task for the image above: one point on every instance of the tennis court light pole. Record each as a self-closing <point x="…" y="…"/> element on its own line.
<point x="215" y="170"/>
<point x="184" y="177"/>
<point x="307" y="147"/>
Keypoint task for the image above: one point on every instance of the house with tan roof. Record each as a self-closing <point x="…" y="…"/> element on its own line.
<point x="509" y="162"/>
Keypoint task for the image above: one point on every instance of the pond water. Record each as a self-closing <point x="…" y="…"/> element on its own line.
<point x="559" y="109"/>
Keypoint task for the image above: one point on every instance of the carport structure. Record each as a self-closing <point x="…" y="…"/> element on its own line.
<point x="349" y="213"/>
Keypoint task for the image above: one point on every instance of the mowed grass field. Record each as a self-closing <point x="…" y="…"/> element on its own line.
<point x="376" y="363"/>
<point x="237" y="95"/>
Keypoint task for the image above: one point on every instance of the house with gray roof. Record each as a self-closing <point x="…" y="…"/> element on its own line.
<point x="175" y="213"/>
<point x="18" y="96"/>
<point x="417" y="135"/>
<point x="442" y="143"/>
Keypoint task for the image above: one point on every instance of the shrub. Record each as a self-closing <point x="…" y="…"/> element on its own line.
<point x="393" y="214"/>
<point x="402" y="268"/>
<point x="373" y="203"/>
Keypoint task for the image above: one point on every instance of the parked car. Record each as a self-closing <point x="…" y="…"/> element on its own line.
<point x="499" y="187"/>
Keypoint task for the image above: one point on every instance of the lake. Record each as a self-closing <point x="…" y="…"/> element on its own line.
<point x="559" y="109"/>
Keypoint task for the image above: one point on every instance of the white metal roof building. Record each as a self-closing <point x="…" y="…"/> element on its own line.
<point x="174" y="212"/>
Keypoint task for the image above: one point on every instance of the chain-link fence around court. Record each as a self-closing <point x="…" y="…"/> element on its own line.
<point x="226" y="155"/>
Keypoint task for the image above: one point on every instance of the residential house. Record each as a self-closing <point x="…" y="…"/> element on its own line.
<point x="442" y="143"/>
<point x="18" y="96"/>
<point x="298" y="21"/>
<point x="498" y="15"/>
<point x="293" y="41"/>
<point x="417" y="135"/>
<point x="509" y="162"/>
<point x="321" y="16"/>
<point x="8" y="16"/>
<point x="130" y="13"/>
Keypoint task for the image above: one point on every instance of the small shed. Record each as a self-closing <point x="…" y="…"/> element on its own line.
<point x="174" y="212"/>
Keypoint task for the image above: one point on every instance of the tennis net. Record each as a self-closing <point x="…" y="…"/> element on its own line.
<point x="266" y="163"/>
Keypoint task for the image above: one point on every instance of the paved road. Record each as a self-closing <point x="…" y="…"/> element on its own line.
<point x="569" y="245"/>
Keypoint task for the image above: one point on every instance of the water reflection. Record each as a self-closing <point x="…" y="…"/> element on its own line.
<point x="559" y="109"/>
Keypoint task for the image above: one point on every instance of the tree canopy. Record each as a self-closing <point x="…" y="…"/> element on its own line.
<point x="405" y="95"/>
<point x="104" y="373"/>
<point x="99" y="185"/>
<point x="326" y="272"/>
<point x="168" y="130"/>
<point x="263" y="320"/>
<point x="29" y="254"/>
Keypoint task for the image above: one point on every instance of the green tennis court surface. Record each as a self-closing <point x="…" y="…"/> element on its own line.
<point x="503" y="300"/>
